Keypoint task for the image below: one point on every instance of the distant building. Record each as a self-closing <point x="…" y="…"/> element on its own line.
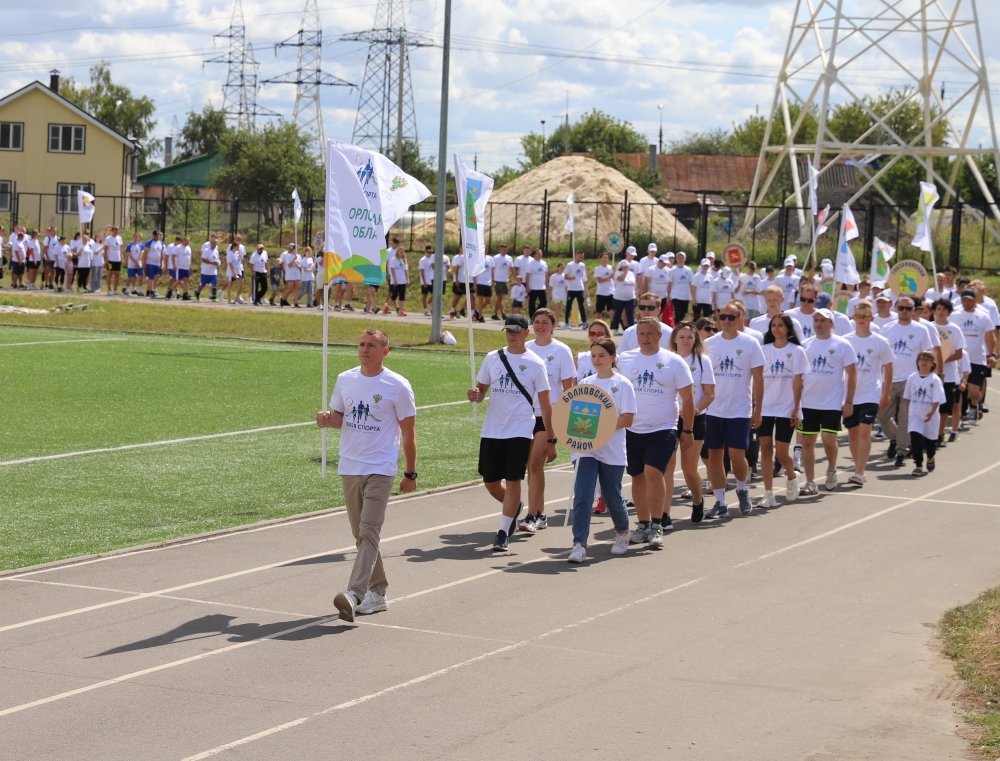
<point x="193" y="173"/>
<point x="685" y="179"/>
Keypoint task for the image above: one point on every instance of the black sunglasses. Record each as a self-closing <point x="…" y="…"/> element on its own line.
<point x="648" y="308"/>
<point x="904" y="309"/>
<point x="729" y="317"/>
<point x="710" y="330"/>
<point x="804" y="300"/>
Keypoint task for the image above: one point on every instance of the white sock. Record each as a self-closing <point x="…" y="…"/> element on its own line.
<point x="741" y="485"/>
<point x="505" y="523"/>
<point x="720" y="496"/>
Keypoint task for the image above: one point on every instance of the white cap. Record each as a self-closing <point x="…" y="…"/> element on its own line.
<point x="826" y="261"/>
<point x="630" y="250"/>
<point x="726" y="272"/>
<point x="681" y="252"/>
<point x="665" y="258"/>
<point x="825" y="313"/>
<point x="793" y="257"/>
<point x="710" y="255"/>
<point x="884" y="297"/>
<point x="880" y="284"/>
<point x="790" y="262"/>
<point x="706" y="263"/>
<point x="651" y="247"/>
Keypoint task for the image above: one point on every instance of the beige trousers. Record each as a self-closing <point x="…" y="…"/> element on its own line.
<point x="366" y="498"/>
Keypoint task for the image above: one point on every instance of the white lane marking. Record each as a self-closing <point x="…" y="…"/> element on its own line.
<point x="426" y="677"/>
<point x="67" y="341"/>
<point x="919" y="499"/>
<point x="167" y="442"/>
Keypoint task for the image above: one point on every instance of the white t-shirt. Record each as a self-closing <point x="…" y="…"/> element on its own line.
<point x="62" y="253"/>
<point x="559" y="366"/>
<point x="922" y="393"/>
<point x="951" y="369"/>
<point x="578" y="272"/>
<point x="509" y="415"/>
<point x="133" y="256"/>
<point x="182" y="257"/>
<point x="657" y="280"/>
<point x="154" y="252"/>
<point x="619" y="389"/>
<point x="291" y="261"/>
<point x="584" y="367"/>
<point x="426" y="268"/>
<point x="624" y="289"/>
<point x="458" y="276"/>
<point x="518" y="293"/>
<point x="881" y="322"/>
<point x="907" y="341"/>
<point x="234" y="261"/>
<point x="680" y="283"/>
<point x="871" y="354"/>
<point x="558" y="285"/>
<point x="399" y="272"/>
<point x="700" y="366"/>
<point x="372" y="408"/>
<point x="114" y="245"/>
<point x="169" y="252"/>
<point x="991" y="308"/>
<point x="646" y="264"/>
<point x="722" y="291"/>
<point x="486" y="276"/>
<point x="51" y="245"/>
<point x="258" y="261"/>
<point x="825" y="387"/>
<point x="702" y="284"/>
<point x="805" y="321"/>
<point x="521" y="264"/>
<point x="630" y="338"/>
<point x="85" y="254"/>
<point x="789" y="285"/>
<point x="606" y="288"/>
<point x="96" y="253"/>
<point x="502" y="264"/>
<point x="974" y="326"/>
<point x="538" y="272"/>
<point x="780" y="368"/>
<point x="732" y="362"/>
<point x="308" y="268"/>
<point x="656" y="380"/>
<point x="211" y="255"/>
<point x="762" y="324"/>
<point x="854" y="301"/>
<point x="748" y="282"/>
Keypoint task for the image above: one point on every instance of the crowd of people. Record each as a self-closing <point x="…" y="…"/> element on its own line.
<point x="748" y="391"/>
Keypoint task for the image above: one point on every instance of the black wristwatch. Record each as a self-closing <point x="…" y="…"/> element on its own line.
<point x="412" y="475"/>
<point x="691" y="432"/>
<point x="553" y="441"/>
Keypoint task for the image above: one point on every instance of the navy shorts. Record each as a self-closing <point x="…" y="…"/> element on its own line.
<point x="152" y="270"/>
<point x="133" y="271"/>
<point x="864" y="414"/>
<point x="698" y="427"/>
<point x="727" y="432"/>
<point x="209" y="280"/>
<point x="653" y="449"/>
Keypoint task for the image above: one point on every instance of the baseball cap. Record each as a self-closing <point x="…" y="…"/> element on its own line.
<point x="670" y="255"/>
<point x="968" y="293"/>
<point x="516" y="323"/>
<point x="630" y="250"/>
<point x="793" y="257"/>
<point x="665" y="258"/>
<point x="884" y="297"/>
<point x="710" y="255"/>
<point x="789" y="262"/>
<point x="825" y="313"/>
<point x="651" y="247"/>
<point x="823" y="300"/>
<point x="880" y="284"/>
<point x="726" y="272"/>
<point x="706" y="262"/>
<point x="826" y="261"/>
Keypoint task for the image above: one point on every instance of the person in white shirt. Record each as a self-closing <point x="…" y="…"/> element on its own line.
<point x="308" y="268"/>
<point x="502" y="265"/>
<point x="788" y="281"/>
<point x="134" y="253"/>
<point x="521" y="263"/>
<point x="981" y="346"/>
<point x="84" y="260"/>
<point x="375" y="410"/>
<point x="663" y="389"/>
<point x="942" y="310"/>
<point x="399" y="277"/>
<point x="649" y="306"/>
<point x="210" y="261"/>
<point x="924" y="394"/>
<point x="510" y="424"/>
<point x="113" y="254"/>
<point x="624" y="294"/>
<point x="603" y="275"/>
<point x="907" y="340"/>
<point x="484" y="287"/>
<point x="722" y="289"/>
<point x="841" y="323"/>
<point x="738" y="366"/>
<point x="18" y="255"/>
<point x="560" y="370"/>
<point x="873" y="358"/>
<point x="864" y="292"/>
<point x="946" y="287"/>
<point x="803" y="314"/>
<point x="425" y="268"/>
<point x="575" y="276"/>
<point x="518" y="295"/>
<point x="658" y="281"/>
<point x="884" y="314"/>
<point x="153" y="263"/>
<point x="458" y="297"/>
<point x="292" y="275"/>
<point x="50" y="246"/>
<point x="182" y="266"/>
<point x="773" y="299"/>
<point x="96" y="264"/>
<point x="785" y="364"/>
<point x="679" y="289"/>
<point x="258" y="264"/>
<point x="701" y="290"/>
<point x="235" y="256"/>
<point x="537" y="277"/>
<point x="33" y="259"/>
<point x="748" y="289"/>
<point x="606" y="464"/>
<point x="647" y="263"/>
<point x="558" y="291"/>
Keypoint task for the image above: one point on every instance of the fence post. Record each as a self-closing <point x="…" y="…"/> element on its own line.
<point x="625" y="215"/>
<point x="703" y="227"/>
<point x="163" y="214"/>
<point x="866" y="259"/>
<point x="956" y="233"/>
<point x="234" y="217"/>
<point x="782" y="220"/>
<point x="543" y="233"/>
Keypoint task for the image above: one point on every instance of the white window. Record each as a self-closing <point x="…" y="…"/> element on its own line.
<point x="66" y="138"/>
<point x="66" y="196"/>
<point x="5" y="193"/>
<point x="11" y="136"/>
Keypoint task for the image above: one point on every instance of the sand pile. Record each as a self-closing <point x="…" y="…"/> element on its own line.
<point x="589" y="181"/>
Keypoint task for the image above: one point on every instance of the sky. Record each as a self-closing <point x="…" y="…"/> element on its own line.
<point x="708" y="63"/>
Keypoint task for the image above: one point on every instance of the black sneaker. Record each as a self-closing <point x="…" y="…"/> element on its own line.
<point x="698" y="512"/>
<point x="719" y="511"/>
<point x="930" y="464"/>
<point x="983" y="408"/>
<point x="500" y="543"/>
<point x="941" y="442"/>
<point x="952" y="437"/>
<point x="900" y="460"/>
<point x="891" y="451"/>
<point x="541" y="521"/>
<point x="666" y="524"/>
<point x="495" y="317"/>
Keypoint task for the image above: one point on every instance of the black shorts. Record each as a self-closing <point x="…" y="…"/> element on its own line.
<point x="951" y="396"/>
<point x="778" y="428"/>
<point x="398" y="292"/>
<point x="698" y="427"/>
<point x="653" y="449"/>
<point x="517" y="304"/>
<point x="116" y="266"/>
<point x="31" y="265"/>
<point x="48" y="265"/>
<point x="503" y="459"/>
<point x="814" y="422"/>
<point x="977" y="374"/>
<point x="16" y="268"/>
<point x="539" y="425"/>
<point x="604" y="303"/>
<point x="426" y="289"/>
<point x="458" y="288"/>
<point x="500" y="289"/>
<point x="864" y="414"/>
<point x="485" y="291"/>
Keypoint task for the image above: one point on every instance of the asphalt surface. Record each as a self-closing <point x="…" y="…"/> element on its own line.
<point x="801" y="632"/>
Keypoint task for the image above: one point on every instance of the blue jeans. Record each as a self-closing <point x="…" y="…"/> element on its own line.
<point x="588" y="470"/>
<point x="624" y="313"/>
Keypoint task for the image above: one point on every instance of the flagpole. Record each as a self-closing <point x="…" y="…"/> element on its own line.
<point x="472" y="346"/>
<point x="326" y="338"/>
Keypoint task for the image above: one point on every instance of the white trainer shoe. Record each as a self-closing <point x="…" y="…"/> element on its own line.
<point x="831" y="480"/>
<point x="578" y="555"/>
<point x="346" y="603"/>
<point x="621" y="544"/>
<point x="373" y="603"/>
<point x="767" y="500"/>
<point x="792" y="489"/>
<point x="797" y="459"/>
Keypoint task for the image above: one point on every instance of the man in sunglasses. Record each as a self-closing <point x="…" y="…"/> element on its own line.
<point x="649" y="306"/>
<point x="803" y="313"/>
<point x="907" y="340"/>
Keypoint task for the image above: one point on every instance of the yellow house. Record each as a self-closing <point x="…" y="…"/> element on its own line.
<point x="50" y="149"/>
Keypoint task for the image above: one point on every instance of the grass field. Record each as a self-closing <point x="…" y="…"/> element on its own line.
<point x="70" y="391"/>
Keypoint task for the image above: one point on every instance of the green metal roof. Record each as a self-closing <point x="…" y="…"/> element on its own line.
<point x="192" y="173"/>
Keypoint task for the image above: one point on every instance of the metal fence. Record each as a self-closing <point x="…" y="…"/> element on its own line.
<point x="964" y="236"/>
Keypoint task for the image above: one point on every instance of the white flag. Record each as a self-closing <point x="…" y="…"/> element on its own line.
<point x="572" y="207"/>
<point x="85" y="205"/>
<point x="821" y="221"/>
<point x="397" y="191"/>
<point x="846" y="270"/>
<point x="473" y="190"/>
<point x="882" y="254"/>
<point x="928" y="197"/>
<point x="297" y="207"/>
<point x="354" y="241"/>
<point x="813" y="186"/>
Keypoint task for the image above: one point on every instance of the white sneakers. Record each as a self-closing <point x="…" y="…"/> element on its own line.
<point x="578" y="555"/>
<point x="620" y="546"/>
<point x="348" y="605"/>
<point x="373" y="603"/>
<point x="346" y="602"/>
<point x="792" y="489"/>
<point x="767" y="500"/>
<point x="831" y="480"/>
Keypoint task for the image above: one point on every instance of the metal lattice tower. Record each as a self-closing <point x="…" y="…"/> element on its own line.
<point x="386" y="116"/>
<point x="309" y="77"/>
<point x="239" y="93"/>
<point x="836" y="55"/>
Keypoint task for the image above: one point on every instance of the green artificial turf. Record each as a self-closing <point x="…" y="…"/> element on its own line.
<point x="75" y="396"/>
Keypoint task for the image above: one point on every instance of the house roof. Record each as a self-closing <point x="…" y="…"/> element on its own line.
<point x="36" y="85"/>
<point x="191" y="173"/>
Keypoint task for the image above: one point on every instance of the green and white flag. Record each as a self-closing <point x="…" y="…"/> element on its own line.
<point x="390" y="190"/>
<point x="355" y="241"/>
<point x="473" y="190"/>
<point x="882" y="254"/>
<point x="928" y="197"/>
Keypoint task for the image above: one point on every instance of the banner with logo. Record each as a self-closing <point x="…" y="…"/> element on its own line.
<point x="388" y="186"/>
<point x="882" y="254"/>
<point x="85" y="205"/>
<point x="928" y="197"/>
<point x="354" y="240"/>
<point x="846" y="269"/>
<point x="570" y="223"/>
<point x="473" y="190"/>
<point x="821" y="221"/>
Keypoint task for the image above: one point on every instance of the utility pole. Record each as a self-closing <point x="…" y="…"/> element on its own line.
<point x="399" y="102"/>
<point x="442" y="181"/>
<point x="661" y="126"/>
<point x="543" y="141"/>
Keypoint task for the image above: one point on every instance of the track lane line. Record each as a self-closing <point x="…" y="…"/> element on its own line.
<point x="60" y="341"/>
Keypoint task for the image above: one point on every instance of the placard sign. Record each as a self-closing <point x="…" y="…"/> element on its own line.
<point x="907" y="278"/>
<point x="614" y="243"/>
<point x="946" y="347"/>
<point x="584" y="418"/>
<point x="734" y="255"/>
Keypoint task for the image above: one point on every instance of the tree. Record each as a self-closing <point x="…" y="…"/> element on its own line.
<point x="714" y="142"/>
<point x="595" y="132"/>
<point x="114" y="105"/>
<point x="267" y="164"/>
<point x="202" y="133"/>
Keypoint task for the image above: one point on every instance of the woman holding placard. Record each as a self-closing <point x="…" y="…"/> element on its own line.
<point x="606" y="464"/>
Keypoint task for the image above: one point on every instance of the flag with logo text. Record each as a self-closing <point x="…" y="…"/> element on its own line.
<point x="473" y="191"/>
<point x="395" y="190"/>
<point x="821" y="221"/>
<point x="85" y="205"/>
<point x="354" y="250"/>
